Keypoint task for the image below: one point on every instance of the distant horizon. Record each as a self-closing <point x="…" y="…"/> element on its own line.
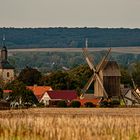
<point x="72" y="27"/>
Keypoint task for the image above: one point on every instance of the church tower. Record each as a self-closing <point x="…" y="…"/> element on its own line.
<point x="6" y="70"/>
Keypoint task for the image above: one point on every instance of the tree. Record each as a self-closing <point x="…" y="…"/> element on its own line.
<point x="62" y="103"/>
<point x="80" y="76"/>
<point x="125" y="77"/>
<point x="28" y="97"/>
<point x="89" y="104"/>
<point x="136" y="73"/>
<point x="20" y="93"/>
<point x="30" y="76"/>
<point x="74" y="79"/>
<point x="75" y="104"/>
<point x="56" y="79"/>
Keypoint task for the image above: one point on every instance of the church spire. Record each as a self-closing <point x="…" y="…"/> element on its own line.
<point x="4" y="50"/>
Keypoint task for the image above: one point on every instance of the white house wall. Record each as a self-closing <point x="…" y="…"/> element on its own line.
<point x="45" y="99"/>
<point x="131" y="96"/>
<point x="128" y="95"/>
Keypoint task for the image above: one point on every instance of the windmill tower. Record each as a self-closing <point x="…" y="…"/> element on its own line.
<point x="106" y="77"/>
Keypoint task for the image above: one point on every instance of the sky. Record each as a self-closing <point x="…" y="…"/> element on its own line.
<point x="70" y="13"/>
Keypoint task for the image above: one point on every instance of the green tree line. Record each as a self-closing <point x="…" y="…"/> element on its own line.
<point x="74" y="78"/>
<point x="70" y="37"/>
<point x="52" y="61"/>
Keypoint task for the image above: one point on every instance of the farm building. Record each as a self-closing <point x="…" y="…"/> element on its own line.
<point x="52" y="97"/>
<point x="130" y="96"/>
<point x="39" y="90"/>
<point x="6" y="94"/>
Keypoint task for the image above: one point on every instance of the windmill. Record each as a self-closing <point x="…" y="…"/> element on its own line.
<point x="106" y="77"/>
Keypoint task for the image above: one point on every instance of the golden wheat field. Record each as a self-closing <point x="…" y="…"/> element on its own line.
<point x="70" y="124"/>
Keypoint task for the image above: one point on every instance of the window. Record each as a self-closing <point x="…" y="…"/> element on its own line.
<point x="8" y="74"/>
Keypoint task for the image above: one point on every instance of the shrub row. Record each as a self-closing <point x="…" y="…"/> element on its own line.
<point x="113" y="103"/>
<point x="77" y="104"/>
<point x="74" y="104"/>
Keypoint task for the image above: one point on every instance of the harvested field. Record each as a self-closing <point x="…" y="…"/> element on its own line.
<point x="130" y="50"/>
<point x="70" y="124"/>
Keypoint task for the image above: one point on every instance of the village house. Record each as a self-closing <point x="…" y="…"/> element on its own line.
<point x="52" y="97"/>
<point x="131" y="97"/>
<point x="6" y="94"/>
<point x="39" y="90"/>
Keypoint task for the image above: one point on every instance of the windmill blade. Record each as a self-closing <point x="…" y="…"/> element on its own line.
<point x="131" y="99"/>
<point x="86" y="87"/>
<point x="134" y="85"/>
<point x="122" y="96"/>
<point x="101" y="84"/>
<point x="103" y="60"/>
<point x="88" y="59"/>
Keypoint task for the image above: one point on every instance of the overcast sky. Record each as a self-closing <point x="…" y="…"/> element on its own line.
<point x="70" y="13"/>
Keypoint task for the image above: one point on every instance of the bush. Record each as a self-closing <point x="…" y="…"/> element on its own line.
<point x="62" y="104"/>
<point x="75" y="104"/>
<point x="115" y="103"/>
<point x="40" y="105"/>
<point x="104" y="103"/>
<point x="89" y="104"/>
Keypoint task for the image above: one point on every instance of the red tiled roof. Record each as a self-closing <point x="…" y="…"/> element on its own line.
<point x="38" y="97"/>
<point x="7" y="91"/>
<point x="39" y="90"/>
<point x="94" y="101"/>
<point x="63" y="94"/>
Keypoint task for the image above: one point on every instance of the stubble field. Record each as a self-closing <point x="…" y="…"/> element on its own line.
<point x="130" y="50"/>
<point x="70" y="124"/>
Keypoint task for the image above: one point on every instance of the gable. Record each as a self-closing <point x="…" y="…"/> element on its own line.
<point x="39" y="90"/>
<point x="45" y="96"/>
